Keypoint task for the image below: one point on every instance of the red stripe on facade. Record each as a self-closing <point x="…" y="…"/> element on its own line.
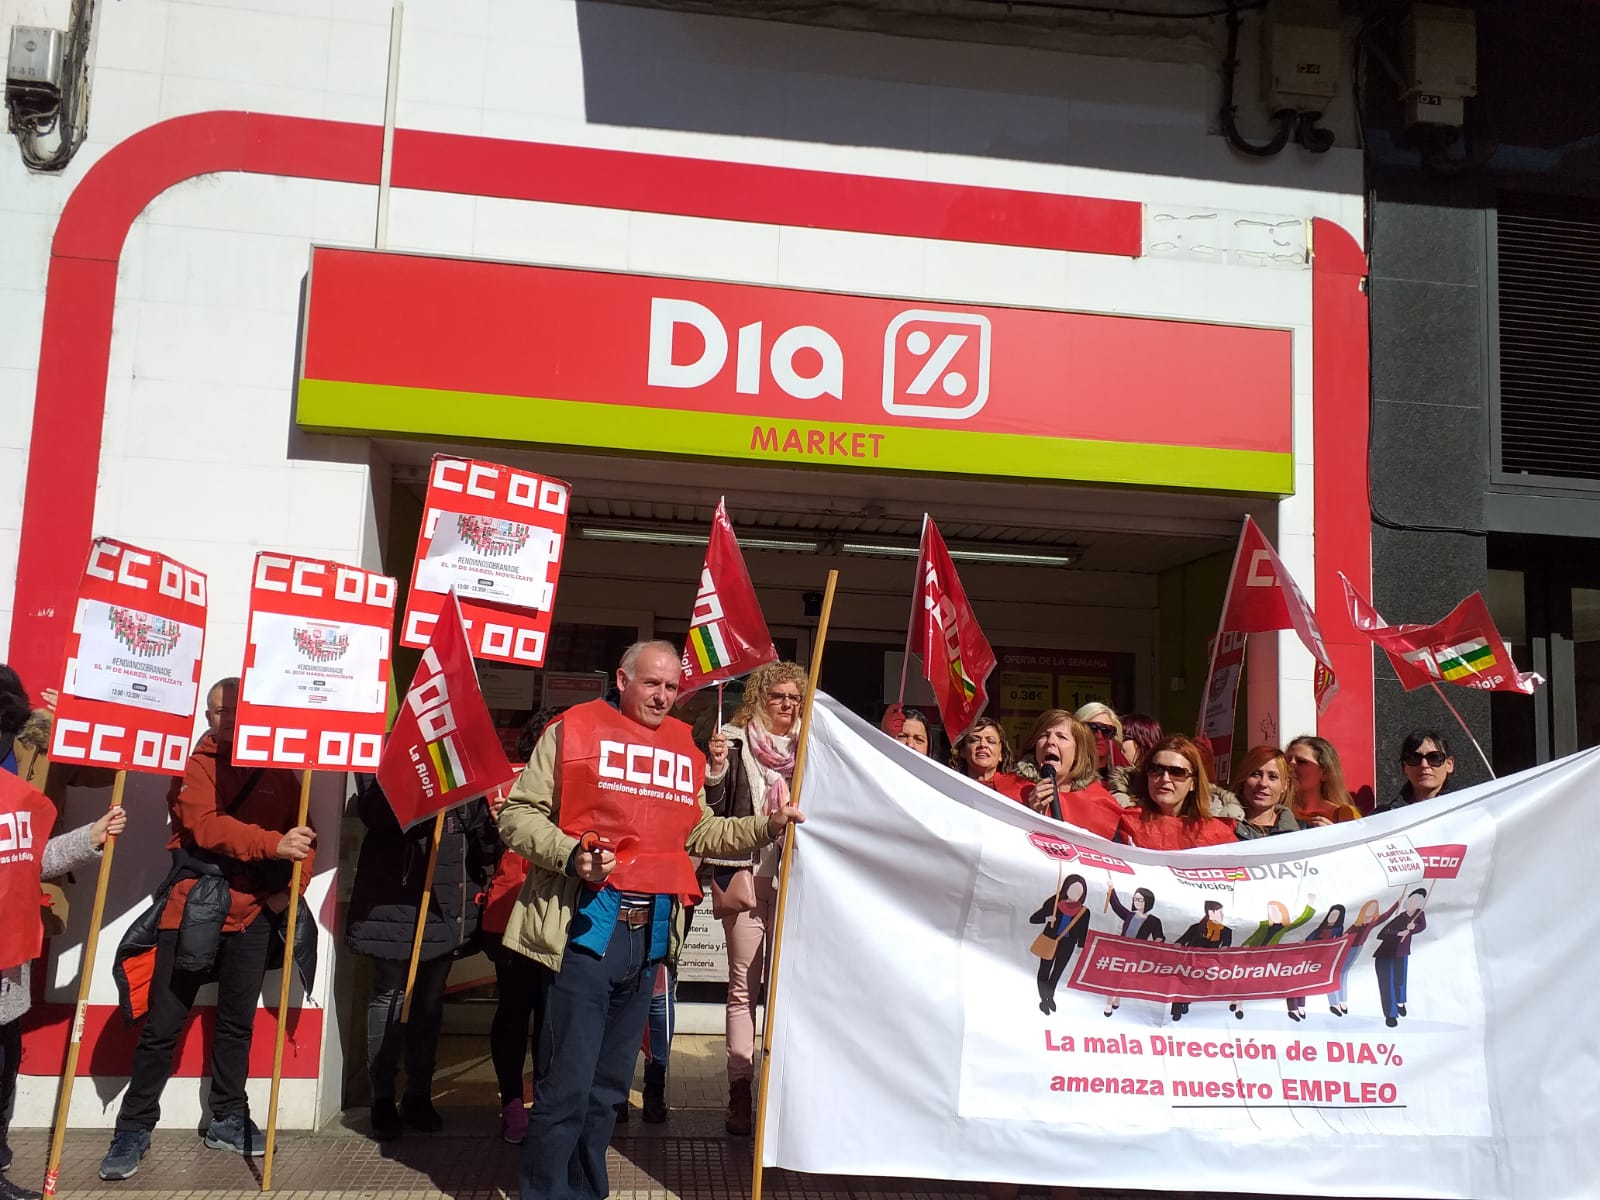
<point x="1343" y="506"/>
<point x="108" y="1042"/>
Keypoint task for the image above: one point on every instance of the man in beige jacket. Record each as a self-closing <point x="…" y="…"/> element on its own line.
<point x="607" y="813"/>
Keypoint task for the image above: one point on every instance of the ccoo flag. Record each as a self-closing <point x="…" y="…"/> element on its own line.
<point x="728" y="635"/>
<point x="1465" y="648"/>
<point x="956" y="657"/>
<point x="443" y="749"/>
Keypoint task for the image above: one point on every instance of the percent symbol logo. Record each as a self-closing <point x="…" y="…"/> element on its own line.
<point x="936" y="364"/>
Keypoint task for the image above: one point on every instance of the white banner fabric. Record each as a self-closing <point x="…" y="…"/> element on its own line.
<point x="306" y="663"/>
<point x="126" y="656"/>
<point x="971" y="991"/>
<point x="485" y="558"/>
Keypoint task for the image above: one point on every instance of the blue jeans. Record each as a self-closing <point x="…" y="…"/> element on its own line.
<point x="593" y="1022"/>
<point x="1391" y="983"/>
<point x="663" y="1013"/>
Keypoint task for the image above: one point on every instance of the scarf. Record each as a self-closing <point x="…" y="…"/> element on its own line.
<point x="774" y="754"/>
<point x="1069" y="908"/>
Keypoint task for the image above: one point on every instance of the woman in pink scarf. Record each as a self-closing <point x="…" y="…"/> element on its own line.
<point x="751" y="767"/>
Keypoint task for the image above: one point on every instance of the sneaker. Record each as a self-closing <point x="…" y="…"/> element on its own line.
<point x="419" y="1113"/>
<point x="514" y="1122"/>
<point x="236" y="1133"/>
<point x="385" y="1120"/>
<point x="15" y="1191"/>
<point x="128" y="1146"/>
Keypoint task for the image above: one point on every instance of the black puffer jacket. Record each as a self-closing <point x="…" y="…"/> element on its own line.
<point x="392" y="866"/>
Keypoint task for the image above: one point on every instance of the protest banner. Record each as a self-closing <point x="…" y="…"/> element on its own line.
<point x="727" y="636"/>
<point x="316" y="675"/>
<point x="1261" y="597"/>
<point x="956" y="658"/>
<point x="493" y="536"/>
<point x="132" y="674"/>
<point x="1389" y="1007"/>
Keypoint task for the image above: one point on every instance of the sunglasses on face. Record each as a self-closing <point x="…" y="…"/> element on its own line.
<point x="1176" y="774"/>
<point x="1434" y="758"/>
<point x="1102" y="730"/>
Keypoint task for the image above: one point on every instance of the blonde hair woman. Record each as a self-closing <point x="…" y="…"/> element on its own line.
<point x="755" y="757"/>
<point x="1320" y="795"/>
<point x="1106" y="726"/>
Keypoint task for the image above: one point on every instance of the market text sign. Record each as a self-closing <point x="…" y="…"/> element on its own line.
<point x="690" y="367"/>
<point x="132" y="675"/>
<point x="316" y="676"/>
<point x="494" y="536"/>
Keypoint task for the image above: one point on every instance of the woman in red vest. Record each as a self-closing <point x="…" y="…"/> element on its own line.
<point x="984" y="754"/>
<point x="1173" y="801"/>
<point x="1061" y="758"/>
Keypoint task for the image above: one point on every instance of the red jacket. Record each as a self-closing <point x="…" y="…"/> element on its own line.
<point x="1014" y="787"/>
<point x="1157" y="831"/>
<point x="1092" y="808"/>
<point x="198" y="804"/>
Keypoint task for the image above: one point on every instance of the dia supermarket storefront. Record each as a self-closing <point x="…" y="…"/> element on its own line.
<point x="1085" y="403"/>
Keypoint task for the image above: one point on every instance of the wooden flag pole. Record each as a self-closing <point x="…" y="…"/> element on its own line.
<point x="283" y="990"/>
<point x="422" y="916"/>
<point x="1466" y="729"/>
<point x="783" y="879"/>
<point x="86" y="973"/>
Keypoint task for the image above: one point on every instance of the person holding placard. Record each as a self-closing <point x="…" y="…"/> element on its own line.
<point x="233" y="838"/>
<point x="607" y="813"/>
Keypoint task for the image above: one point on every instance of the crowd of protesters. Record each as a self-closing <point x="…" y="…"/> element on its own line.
<point x="584" y="972"/>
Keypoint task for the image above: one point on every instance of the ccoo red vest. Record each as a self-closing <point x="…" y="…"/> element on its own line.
<point x="26" y="818"/>
<point x="624" y="781"/>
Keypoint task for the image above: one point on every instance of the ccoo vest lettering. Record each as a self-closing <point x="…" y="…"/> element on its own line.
<point x="26" y="818"/>
<point x="638" y="789"/>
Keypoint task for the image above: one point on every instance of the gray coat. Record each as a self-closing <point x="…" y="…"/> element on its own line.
<point x="68" y="852"/>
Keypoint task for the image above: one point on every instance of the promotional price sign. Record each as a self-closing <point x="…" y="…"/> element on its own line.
<point x="494" y="536"/>
<point x="316" y="676"/>
<point x="132" y="673"/>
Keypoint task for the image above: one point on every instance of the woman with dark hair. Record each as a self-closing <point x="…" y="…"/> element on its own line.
<point x="1426" y="761"/>
<point x="1173" y="801"/>
<point x="1264" y="795"/>
<point x="1062" y="776"/>
<point x="1329" y="929"/>
<point x="14" y="713"/>
<point x="1065" y="918"/>
<point x="1140" y="734"/>
<point x="915" y="731"/>
<point x="1320" y="795"/>
<point x="984" y="754"/>
<point x="518" y="1012"/>
<point x="1139" y="922"/>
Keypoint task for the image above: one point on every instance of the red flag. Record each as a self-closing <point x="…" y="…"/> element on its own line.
<point x="26" y="817"/>
<point x="956" y="658"/>
<point x="1261" y="598"/>
<point x="443" y="748"/>
<point x="728" y="635"/>
<point x="1465" y="648"/>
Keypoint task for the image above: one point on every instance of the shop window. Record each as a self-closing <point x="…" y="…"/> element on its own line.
<point x="1586" y="666"/>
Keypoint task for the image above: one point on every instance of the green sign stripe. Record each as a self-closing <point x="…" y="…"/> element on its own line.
<point x="336" y="406"/>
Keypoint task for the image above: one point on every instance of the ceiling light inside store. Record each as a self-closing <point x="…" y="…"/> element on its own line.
<point x="1018" y="558"/>
<point x="662" y="537"/>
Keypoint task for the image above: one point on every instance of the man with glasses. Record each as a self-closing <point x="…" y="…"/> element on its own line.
<point x="607" y="812"/>
<point x="1425" y="759"/>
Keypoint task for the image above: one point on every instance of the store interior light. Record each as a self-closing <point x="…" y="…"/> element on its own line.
<point x="1021" y="558"/>
<point x="665" y="537"/>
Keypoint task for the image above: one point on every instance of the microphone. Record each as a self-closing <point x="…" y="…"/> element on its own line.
<point x="1048" y="771"/>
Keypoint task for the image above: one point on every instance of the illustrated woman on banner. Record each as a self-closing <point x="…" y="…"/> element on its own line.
<point x="1368" y="918"/>
<point x="1211" y="932"/>
<point x="1065" y="918"/>
<point x="1270" y="932"/>
<point x="1329" y="929"/>
<point x="1392" y="958"/>
<point x="1139" y="923"/>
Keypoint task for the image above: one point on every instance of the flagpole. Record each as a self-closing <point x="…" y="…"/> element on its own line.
<point x="295" y="873"/>
<point x="1466" y="729"/>
<point x="422" y="916"/>
<point x="719" y="706"/>
<point x="800" y="753"/>
<point x="916" y="593"/>
<point x="75" y="1037"/>
<point x="1216" y="646"/>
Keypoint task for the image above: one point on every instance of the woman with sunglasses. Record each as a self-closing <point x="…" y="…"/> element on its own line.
<point x="750" y="767"/>
<point x="1173" y="810"/>
<point x="984" y="754"/>
<point x="1107" y="729"/>
<point x="1320" y="796"/>
<point x="1425" y="759"/>
<point x="1062" y="781"/>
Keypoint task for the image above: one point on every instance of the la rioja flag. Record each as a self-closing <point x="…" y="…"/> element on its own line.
<point x="1465" y="648"/>
<point x="443" y="749"/>
<point x="956" y="657"/>
<point x="728" y="635"/>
